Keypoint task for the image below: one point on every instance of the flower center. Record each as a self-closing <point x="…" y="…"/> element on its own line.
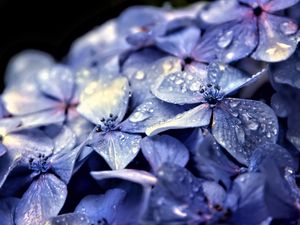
<point x="108" y="124"/>
<point x="40" y="165"/>
<point x="211" y="94"/>
<point x="257" y="11"/>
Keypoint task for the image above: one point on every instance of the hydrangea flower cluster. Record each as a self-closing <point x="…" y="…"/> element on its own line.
<point x="161" y="116"/>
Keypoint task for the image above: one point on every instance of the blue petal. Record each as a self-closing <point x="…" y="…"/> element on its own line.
<point x="42" y="118"/>
<point x="43" y="199"/>
<point x="21" y="103"/>
<point x="178" y="196"/>
<point x="240" y="125"/>
<point x="228" y="78"/>
<point x="196" y="117"/>
<point x="7" y="163"/>
<point x="64" y="154"/>
<point x="210" y="160"/>
<point x="7" y="209"/>
<point x="99" y="101"/>
<point x="102" y="207"/>
<point x="2" y="150"/>
<point x="276" y="5"/>
<point x="135" y="19"/>
<point x="251" y="208"/>
<point x="142" y="69"/>
<point x="287" y="72"/>
<point x="179" y="44"/>
<point x="280" y="105"/>
<point x="275" y="153"/>
<point x="214" y="192"/>
<point x="97" y="44"/>
<point x="136" y="176"/>
<point x="228" y="42"/>
<point x="277" y="38"/>
<point x="23" y="67"/>
<point x="164" y="149"/>
<point x="222" y="11"/>
<point x="180" y="87"/>
<point x="70" y="218"/>
<point x="150" y="112"/>
<point x="28" y="143"/>
<point x="117" y="148"/>
<point x="57" y="82"/>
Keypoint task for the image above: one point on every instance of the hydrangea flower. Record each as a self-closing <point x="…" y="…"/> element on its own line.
<point x="50" y="171"/>
<point x="219" y="159"/>
<point x="246" y="27"/>
<point x="239" y="125"/>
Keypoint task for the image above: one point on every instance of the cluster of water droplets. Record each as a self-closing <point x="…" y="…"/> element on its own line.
<point x="183" y="82"/>
<point x="252" y="120"/>
<point x="142" y="113"/>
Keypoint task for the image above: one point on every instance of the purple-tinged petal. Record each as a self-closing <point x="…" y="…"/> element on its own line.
<point x="8" y="125"/>
<point x="7" y="210"/>
<point x="28" y="143"/>
<point x="139" y="18"/>
<point x="214" y="192"/>
<point x="99" y="101"/>
<point x="227" y="42"/>
<point x="178" y="196"/>
<point x="7" y="163"/>
<point x="57" y="82"/>
<point x="276" y="5"/>
<point x="293" y="132"/>
<point x="150" y="112"/>
<point x="117" y="148"/>
<point x="136" y="176"/>
<point x="222" y="11"/>
<point x="209" y="158"/>
<point x="275" y="153"/>
<point x="23" y="67"/>
<point x="164" y="149"/>
<point x="249" y="188"/>
<point x="101" y="42"/>
<point x="196" y="117"/>
<point x="42" y="118"/>
<point x="287" y="72"/>
<point x="70" y="218"/>
<point x="228" y="78"/>
<point x="103" y="208"/>
<point x="241" y="125"/>
<point x="180" y="87"/>
<point x="64" y="154"/>
<point x="2" y="150"/>
<point x="280" y="106"/>
<point x="181" y="43"/>
<point x="22" y="103"/>
<point x="277" y="38"/>
<point x="43" y="199"/>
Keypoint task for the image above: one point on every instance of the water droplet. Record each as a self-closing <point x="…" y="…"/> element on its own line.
<point x="179" y="81"/>
<point x="252" y="125"/>
<point x="195" y="86"/>
<point x="240" y="134"/>
<point x="225" y="40"/>
<point x="234" y="104"/>
<point x="139" y="75"/>
<point x="289" y="28"/>
<point x="138" y="117"/>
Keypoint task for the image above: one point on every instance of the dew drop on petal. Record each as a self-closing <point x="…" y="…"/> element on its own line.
<point x="225" y="40"/>
<point x="139" y="75"/>
<point x="195" y="86"/>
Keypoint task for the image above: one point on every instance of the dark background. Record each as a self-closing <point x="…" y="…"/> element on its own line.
<point x="52" y="25"/>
